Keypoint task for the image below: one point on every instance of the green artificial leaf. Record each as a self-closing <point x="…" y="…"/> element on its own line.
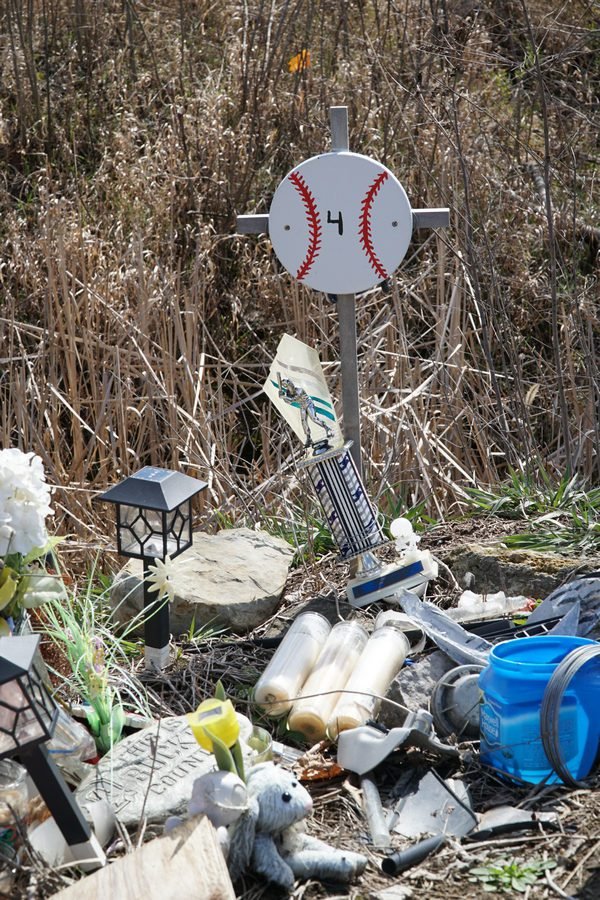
<point x="39" y="552"/>
<point x="117" y="722"/>
<point x="93" y="720"/>
<point x="9" y="581"/>
<point x="236" y="752"/>
<point x="222" y="754"/>
<point x="220" y="691"/>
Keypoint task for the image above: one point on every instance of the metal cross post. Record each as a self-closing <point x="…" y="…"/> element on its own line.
<point x="346" y="301"/>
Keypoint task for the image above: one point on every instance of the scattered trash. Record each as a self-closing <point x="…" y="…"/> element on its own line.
<point x="472" y="607"/>
<point x="424" y="803"/>
<point x="317" y="765"/>
<point x="454" y="703"/>
<point x="320" y="693"/>
<point x="442" y="808"/>
<point x="291" y="663"/>
<point x="361" y="749"/>
<point x="404" y="623"/>
<point x="584" y="591"/>
<point x="507" y="819"/>
<point x="48" y="840"/>
<point x="436" y="807"/>
<point x="460" y="645"/>
<point x="381" y="659"/>
<point x="380" y="833"/>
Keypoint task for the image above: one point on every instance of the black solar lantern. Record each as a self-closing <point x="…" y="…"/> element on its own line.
<point x="27" y="718"/>
<point x="154" y="520"/>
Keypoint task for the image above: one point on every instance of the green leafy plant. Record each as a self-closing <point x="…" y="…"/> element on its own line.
<point x="564" y="516"/>
<point x="392" y="505"/>
<point x="509" y="875"/>
<point x="98" y="659"/>
<point x="195" y="635"/>
<point x="524" y="495"/>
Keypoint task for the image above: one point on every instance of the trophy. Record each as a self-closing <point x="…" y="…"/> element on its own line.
<point x="297" y="387"/>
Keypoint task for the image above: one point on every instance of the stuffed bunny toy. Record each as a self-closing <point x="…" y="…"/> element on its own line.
<point x="267" y="838"/>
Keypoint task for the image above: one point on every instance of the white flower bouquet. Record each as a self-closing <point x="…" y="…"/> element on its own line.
<point x="24" y="543"/>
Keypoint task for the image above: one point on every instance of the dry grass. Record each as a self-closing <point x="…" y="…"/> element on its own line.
<point x="136" y="327"/>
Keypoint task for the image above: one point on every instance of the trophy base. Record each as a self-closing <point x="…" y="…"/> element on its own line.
<point x="388" y="580"/>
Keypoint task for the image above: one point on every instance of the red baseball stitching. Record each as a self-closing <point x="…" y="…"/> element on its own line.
<point x="366" y="238"/>
<point x="314" y="224"/>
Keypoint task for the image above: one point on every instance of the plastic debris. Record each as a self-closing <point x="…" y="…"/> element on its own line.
<point x="464" y="647"/>
<point x="361" y="749"/>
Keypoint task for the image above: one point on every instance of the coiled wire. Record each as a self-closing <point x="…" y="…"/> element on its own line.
<point x="551" y="704"/>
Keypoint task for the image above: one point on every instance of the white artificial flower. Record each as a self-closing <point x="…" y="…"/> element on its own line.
<point x="6" y="536"/>
<point x="159" y="579"/>
<point x="24" y="499"/>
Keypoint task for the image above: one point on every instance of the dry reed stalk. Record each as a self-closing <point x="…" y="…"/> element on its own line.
<point x="136" y="328"/>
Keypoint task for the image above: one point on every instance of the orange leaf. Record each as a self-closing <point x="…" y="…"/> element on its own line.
<point x="299" y="62"/>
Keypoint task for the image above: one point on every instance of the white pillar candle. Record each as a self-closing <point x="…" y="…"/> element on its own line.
<point x="379" y="663"/>
<point x="330" y="673"/>
<point x="280" y="683"/>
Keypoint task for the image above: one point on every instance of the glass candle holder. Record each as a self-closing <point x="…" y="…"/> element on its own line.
<point x="290" y="665"/>
<point x="379" y="663"/>
<point x="330" y="673"/>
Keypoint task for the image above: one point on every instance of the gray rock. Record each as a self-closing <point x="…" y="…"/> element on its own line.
<point x="497" y="568"/>
<point x="233" y="579"/>
<point x="413" y="685"/>
<point x="151" y="773"/>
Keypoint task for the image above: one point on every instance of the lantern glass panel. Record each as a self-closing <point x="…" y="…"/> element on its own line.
<point x="132" y="530"/>
<point x="179" y="529"/>
<point x="19" y="724"/>
<point x="154" y="544"/>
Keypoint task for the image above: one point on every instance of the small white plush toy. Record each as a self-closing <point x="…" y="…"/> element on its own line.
<point x="267" y="839"/>
<point x="222" y="797"/>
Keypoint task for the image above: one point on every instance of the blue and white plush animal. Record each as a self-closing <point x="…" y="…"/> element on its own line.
<point x="267" y="838"/>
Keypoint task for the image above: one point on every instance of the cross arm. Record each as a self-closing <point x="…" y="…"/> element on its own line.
<point x="422" y="218"/>
<point x="253" y="224"/>
<point x="430" y="218"/>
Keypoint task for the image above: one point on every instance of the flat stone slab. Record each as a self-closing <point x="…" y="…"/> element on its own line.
<point x="527" y="572"/>
<point x="151" y="774"/>
<point x="233" y="579"/>
<point x="186" y="864"/>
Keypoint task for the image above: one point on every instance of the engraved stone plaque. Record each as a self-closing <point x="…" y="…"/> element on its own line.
<point x="150" y="773"/>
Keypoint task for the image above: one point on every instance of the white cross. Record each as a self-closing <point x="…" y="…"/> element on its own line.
<point x="346" y="302"/>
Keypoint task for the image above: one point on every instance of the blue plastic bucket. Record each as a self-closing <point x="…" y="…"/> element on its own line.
<point x="512" y="687"/>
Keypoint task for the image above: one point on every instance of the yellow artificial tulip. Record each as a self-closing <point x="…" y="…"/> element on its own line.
<point x="214" y="717"/>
